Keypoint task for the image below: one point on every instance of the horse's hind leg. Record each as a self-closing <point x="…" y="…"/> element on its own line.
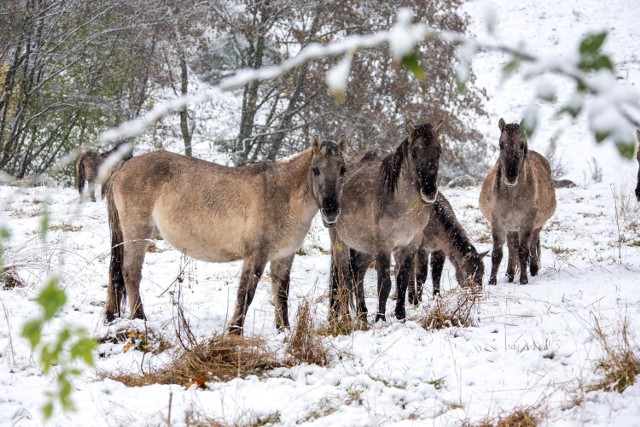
<point x="512" y="247"/>
<point x="280" y="278"/>
<point x="135" y="249"/>
<point x="437" y="265"/>
<point x="534" y="257"/>
<point x="252" y="269"/>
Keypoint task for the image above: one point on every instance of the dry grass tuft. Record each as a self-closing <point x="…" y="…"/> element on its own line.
<point x="306" y="344"/>
<point x="620" y="363"/>
<point x="222" y="358"/>
<point x="455" y="308"/>
<point x="520" y="417"/>
<point x="63" y="226"/>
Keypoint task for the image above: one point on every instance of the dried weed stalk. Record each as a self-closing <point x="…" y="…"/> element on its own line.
<point x="455" y="308"/>
<point x="222" y="358"/>
<point x="306" y="344"/>
<point x="620" y="363"/>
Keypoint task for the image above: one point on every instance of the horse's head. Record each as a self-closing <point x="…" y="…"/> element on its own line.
<point x="125" y="149"/>
<point x="423" y="157"/>
<point x="638" y="157"/>
<point x="327" y="170"/>
<point x="472" y="269"/>
<point x="513" y="152"/>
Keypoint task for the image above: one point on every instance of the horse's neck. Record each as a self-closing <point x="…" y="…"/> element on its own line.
<point x="295" y="177"/>
<point x="450" y="235"/>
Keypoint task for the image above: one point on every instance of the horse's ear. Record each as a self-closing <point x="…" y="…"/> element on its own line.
<point x="483" y="254"/>
<point x="315" y="143"/>
<point x="501" y="124"/>
<point x="410" y="127"/>
<point x="638" y="135"/>
<point x="342" y="143"/>
<point x="439" y="125"/>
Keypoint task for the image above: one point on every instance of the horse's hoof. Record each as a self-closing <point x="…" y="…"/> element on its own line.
<point x="401" y="314"/>
<point x="534" y="270"/>
<point x="492" y="281"/>
<point x="510" y="277"/>
<point x="381" y="316"/>
<point x="524" y="280"/>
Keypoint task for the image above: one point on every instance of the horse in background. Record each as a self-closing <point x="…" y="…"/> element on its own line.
<point x="257" y="213"/>
<point x="517" y="198"/>
<point x="445" y="237"/>
<point x="88" y="167"/>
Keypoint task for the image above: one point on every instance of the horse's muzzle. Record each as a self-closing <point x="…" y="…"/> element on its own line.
<point x="330" y="217"/>
<point x="429" y="198"/>
<point x="510" y="184"/>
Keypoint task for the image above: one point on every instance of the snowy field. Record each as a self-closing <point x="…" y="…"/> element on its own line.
<point x="533" y="346"/>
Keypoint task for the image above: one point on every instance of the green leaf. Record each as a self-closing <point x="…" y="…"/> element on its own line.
<point x="412" y="64"/>
<point x="601" y="136"/>
<point x="5" y="234"/>
<point x="47" y="410"/>
<point x="32" y="331"/>
<point x="51" y="298"/>
<point x="626" y="149"/>
<point x="592" y="42"/>
<point x="603" y="62"/>
<point x="573" y="111"/>
<point x="510" y="68"/>
<point x="83" y="349"/>
<point x="44" y="222"/>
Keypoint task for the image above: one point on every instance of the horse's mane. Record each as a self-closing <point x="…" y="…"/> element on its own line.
<point x="391" y="167"/>
<point x="451" y="226"/>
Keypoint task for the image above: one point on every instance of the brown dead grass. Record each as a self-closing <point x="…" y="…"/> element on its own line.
<point x="620" y="364"/>
<point x="11" y="279"/>
<point x="455" y="308"/>
<point x="222" y="358"/>
<point x="520" y="417"/>
<point x="306" y="344"/>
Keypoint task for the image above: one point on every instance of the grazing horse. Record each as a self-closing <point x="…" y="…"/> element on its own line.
<point x="638" y="158"/>
<point x="88" y="167"/>
<point x="517" y="198"/>
<point x="386" y="203"/>
<point x="444" y="237"/>
<point x="257" y="213"/>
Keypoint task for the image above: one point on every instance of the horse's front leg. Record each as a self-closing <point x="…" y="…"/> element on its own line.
<point x="338" y="278"/>
<point x="437" y="265"/>
<point x="383" y="264"/>
<point x="405" y="270"/>
<point x="513" y="249"/>
<point x="498" y="237"/>
<point x="534" y="257"/>
<point x="526" y="235"/>
<point x="280" y="278"/>
<point x="359" y="264"/>
<point x="421" y="267"/>
<point x="252" y="269"/>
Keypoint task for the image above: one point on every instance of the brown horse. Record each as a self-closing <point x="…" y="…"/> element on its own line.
<point x="258" y="213"/>
<point x="88" y="166"/>
<point x="517" y="198"/>
<point x="638" y="158"/>
<point x="444" y="237"/>
<point x="386" y="204"/>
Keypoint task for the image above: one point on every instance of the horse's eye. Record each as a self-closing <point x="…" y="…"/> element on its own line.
<point x="342" y="171"/>
<point x="316" y="171"/>
<point x="501" y="147"/>
<point x="413" y="153"/>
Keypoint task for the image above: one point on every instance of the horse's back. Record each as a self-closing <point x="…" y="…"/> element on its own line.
<point x="488" y="192"/>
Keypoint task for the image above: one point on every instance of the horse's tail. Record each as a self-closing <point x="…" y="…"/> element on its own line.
<point x="80" y="174"/>
<point x="116" y="279"/>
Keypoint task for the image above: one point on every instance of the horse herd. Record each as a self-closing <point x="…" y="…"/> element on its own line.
<point x="378" y="206"/>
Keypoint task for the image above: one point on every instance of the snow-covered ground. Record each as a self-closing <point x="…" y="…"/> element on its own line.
<point x="533" y="346"/>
